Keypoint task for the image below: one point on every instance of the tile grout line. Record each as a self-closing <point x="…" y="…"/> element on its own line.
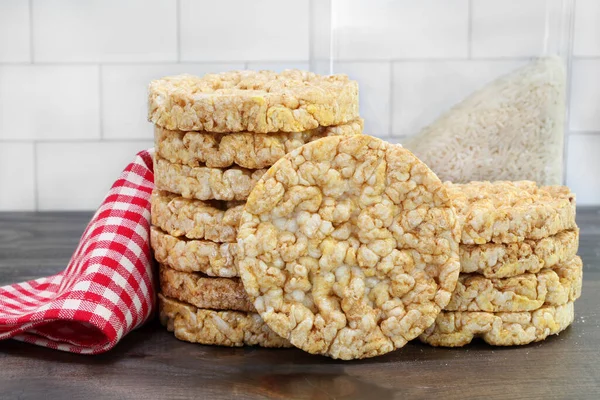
<point x="31" y="53"/>
<point x="470" y="30"/>
<point x="372" y="60"/>
<point x="391" y="100"/>
<point x="100" y="106"/>
<point x="178" y="27"/>
<point x="571" y="132"/>
<point x="311" y="29"/>
<point x="36" y="194"/>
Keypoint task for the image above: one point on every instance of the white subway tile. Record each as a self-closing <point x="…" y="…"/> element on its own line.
<point x="422" y="91"/>
<point x="585" y="95"/>
<point x="14" y="31"/>
<point x="384" y="29"/>
<point x="104" y="30"/>
<point x="240" y="30"/>
<point x="17" y="182"/>
<point x="587" y="28"/>
<point x="583" y="167"/>
<point x="49" y="102"/>
<point x="125" y="95"/>
<point x="278" y="66"/>
<point x="374" y="80"/>
<point x="509" y="28"/>
<point x="77" y="176"/>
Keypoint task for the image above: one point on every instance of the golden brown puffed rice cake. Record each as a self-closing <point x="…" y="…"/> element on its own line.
<point x="459" y="328"/>
<point x="349" y="247"/>
<point x="244" y="149"/>
<point x="195" y="219"/>
<point x="187" y="255"/>
<point x="204" y="292"/>
<point x="525" y="292"/>
<point x="203" y="183"/>
<point x="503" y="260"/>
<point x="253" y="101"/>
<point x="510" y="212"/>
<point x="220" y="328"/>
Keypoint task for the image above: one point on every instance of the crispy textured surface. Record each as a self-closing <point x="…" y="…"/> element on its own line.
<point x="262" y="102"/>
<point x="458" y="328"/>
<point x="205" y="183"/>
<point x="349" y="247"/>
<point x="210" y="258"/>
<point x="195" y="219"/>
<point x="499" y="260"/>
<point x="509" y="212"/>
<point x="246" y="149"/>
<point x="221" y="328"/>
<point x="204" y="292"/>
<point x="525" y="292"/>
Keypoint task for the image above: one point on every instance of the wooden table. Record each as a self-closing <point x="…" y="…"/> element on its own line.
<point x="151" y="364"/>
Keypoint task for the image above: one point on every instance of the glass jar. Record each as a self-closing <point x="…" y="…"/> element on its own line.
<point x="476" y="88"/>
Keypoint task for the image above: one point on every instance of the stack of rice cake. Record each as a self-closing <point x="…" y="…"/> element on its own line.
<point x="215" y="137"/>
<point x="519" y="270"/>
<point x="520" y="274"/>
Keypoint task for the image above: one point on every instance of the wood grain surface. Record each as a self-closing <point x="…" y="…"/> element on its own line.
<point x="151" y="364"/>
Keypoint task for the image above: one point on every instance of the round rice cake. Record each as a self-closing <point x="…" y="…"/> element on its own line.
<point x="503" y="260"/>
<point x="510" y="212"/>
<point x="253" y="101"/>
<point x="187" y="255"/>
<point x="219" y="328"/>
<point x="349" y="247"/>
<point x="525" y="292"/>
<point x="245" y="149"/>
<point x="204" y="292"/>
<point x="195" y="219"/>
<point x="459" y="328"/>
<point x="204" y="183"/>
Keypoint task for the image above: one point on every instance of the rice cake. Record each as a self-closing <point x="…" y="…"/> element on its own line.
<point x="458" y="328"/>
<point x="525" y="292"/>
<point x="204" y="292"/>
<point x="205" y="183"/>
<point x="195" y="219"/>
<point x="220" y="328"/>
<point x="499" y="260"/>
<point x="261" y="102"/>
<point x="210" y="258"/>
<point x="244" y="149"/>
<point x="510" y="212"/>
<point x="349" y="247"/>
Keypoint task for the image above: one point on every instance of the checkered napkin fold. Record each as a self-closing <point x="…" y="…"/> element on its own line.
<point x="107" y="289"/>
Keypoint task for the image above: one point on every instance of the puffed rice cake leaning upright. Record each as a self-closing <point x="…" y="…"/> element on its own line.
<point x="520" y="273"/>
<point x="215" y="136"/>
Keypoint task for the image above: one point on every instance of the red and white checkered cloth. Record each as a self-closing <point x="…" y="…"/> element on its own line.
<point x="107" y="289"/>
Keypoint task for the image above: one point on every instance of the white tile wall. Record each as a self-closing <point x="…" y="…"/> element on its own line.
<point x="277" y="66"/>
<point x="124" y="95"/>
<point x="104" y="30"/>
<point x="585" y="95"/>
<point x="234" y="30"/>
<point x="375" y="91"/>
<point x="73" y="81"/>
<point x="76" y="176"/>
<point x="583" y="165"/>
<point x="14" y="31"/>
<point x="17" y="178"/>
<point x="508" y="28"/>
<point x="401" y="29"/>
<point x="587" y="28"/>
<point x="49" y="102"/>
